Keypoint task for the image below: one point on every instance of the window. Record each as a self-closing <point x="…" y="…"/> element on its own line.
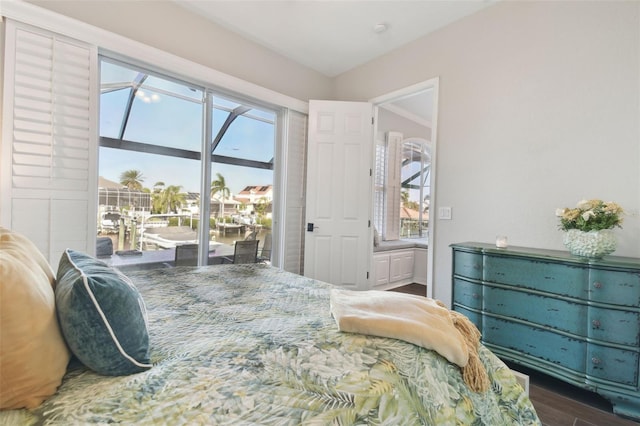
<point x="152" y="140"/>
<point x="401" y="187"/>
<point x="414" y="180"/>
<point x="403" y="162"/>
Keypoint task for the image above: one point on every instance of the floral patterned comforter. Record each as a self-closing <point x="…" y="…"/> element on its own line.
<point x="251" y="344"/>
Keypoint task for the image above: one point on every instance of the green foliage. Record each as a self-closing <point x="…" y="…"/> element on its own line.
<point x="132" y="179"/>
<point x="591" y="215"/>
<point x="166" y="199"/>
<point x="266" y="222"/>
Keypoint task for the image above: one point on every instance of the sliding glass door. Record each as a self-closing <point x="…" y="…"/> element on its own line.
<point x="156" y="188"/>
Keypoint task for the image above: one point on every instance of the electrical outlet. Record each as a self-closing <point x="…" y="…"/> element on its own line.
<point x="444" y="213"/>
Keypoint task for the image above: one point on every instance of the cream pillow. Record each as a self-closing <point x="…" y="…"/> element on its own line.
<point x="33" y="354"/>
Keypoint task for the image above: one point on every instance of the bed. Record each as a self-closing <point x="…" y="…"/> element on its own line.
<point x="252" y="344"/>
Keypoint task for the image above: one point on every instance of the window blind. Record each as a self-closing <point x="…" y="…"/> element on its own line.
<point x="49" y="139"/>
<point x="294" y="203"/>
<point x="378" y="187"/>
<point x="392" y="186"/>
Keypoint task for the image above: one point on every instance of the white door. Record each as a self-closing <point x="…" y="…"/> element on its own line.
<point x="338" y="242"/>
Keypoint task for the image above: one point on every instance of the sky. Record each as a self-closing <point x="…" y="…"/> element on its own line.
<point x="169" y="113"/>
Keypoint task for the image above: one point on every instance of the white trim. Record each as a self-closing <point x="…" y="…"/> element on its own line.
<point x="406" y="91"/>
<point x="406" y="114"/>
<point x="432" y="206"/>
<point x="6" y="147"/>
<point x="280" y="172"/>
<point x="119" y="45"/>
<point x="432" y="84"/>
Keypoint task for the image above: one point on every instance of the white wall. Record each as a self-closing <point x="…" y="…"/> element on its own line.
<point x="389" y="121"/>
<point x="169" y="27"/>
<point x="538" y="108"/>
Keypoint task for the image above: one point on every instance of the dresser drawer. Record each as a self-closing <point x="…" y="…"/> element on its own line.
<point x="475" y="317"/>
<point x="543" y="310"/>
<point x="609" y="325"/>
<point x="550" y="277"/>
<point x="618" y="287"/>
<point x="467" y="293"/>
<point x="467" y="264"/>
<point x="612" y="364"/>
<point x="543" y="344"/>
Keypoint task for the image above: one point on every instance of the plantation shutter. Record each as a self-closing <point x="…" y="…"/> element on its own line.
<point x="392" y="186"/>
<point x="294" y="196"/>
<point x="379" y="173"/>
<point x="49" y="143"/>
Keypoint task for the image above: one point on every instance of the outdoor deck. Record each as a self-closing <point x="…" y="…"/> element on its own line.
<point x="152" y="259"/>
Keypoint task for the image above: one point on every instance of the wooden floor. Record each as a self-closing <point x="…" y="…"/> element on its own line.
<point x="558" y="403"/>
<point x="418" y="289"/>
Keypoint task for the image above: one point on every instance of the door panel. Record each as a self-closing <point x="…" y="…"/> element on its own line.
<point x="338" y="244"/>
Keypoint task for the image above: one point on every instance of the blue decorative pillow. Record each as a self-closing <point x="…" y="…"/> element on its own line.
<point x="102" y="316"/>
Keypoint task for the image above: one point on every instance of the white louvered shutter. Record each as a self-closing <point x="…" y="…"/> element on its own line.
<point x="379" y="173"/>
<point x="294" y="198"/>
<point x="393" y="186"/>
<point x="49" y="143"/>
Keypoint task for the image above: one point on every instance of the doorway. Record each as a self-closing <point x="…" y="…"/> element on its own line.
<point x="416" y="104"/>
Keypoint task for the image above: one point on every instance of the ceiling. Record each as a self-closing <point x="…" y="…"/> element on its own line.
<point x="332" y="37"/>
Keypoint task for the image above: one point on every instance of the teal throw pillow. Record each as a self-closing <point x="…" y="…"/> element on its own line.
<point x="102" y="316"/>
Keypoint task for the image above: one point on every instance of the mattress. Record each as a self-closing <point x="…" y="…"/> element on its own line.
<point x="252" y="344"/>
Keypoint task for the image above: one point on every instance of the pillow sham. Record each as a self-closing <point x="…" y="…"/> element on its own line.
<point x="33" y="353"/>
<point x="102" y="315"/>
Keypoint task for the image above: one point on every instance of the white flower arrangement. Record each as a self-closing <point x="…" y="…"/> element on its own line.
<point x="591" y="215"/>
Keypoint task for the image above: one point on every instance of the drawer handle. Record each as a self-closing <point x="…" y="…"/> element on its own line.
<point x="596" y="360"/>
<point x="475" y="296"/>
<point x="597" y="284"/>
<point x="596" y="323"/>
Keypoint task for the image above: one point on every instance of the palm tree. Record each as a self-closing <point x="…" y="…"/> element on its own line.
<point x="172" y="199"/>
<point x="158" y="187"/>
<point x="404" y="197"/>
<point x="220" y="186"/>
<point x="132" y="179"/>
<point x="156" y="198"/>
<point x="261" y="206"/>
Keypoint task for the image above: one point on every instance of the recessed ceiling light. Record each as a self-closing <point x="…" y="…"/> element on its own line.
<point x="380" y="28"/>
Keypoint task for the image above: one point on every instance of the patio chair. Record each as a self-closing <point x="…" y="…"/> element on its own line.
<point x="186" y="255"/>
<point x="244" y="252"/>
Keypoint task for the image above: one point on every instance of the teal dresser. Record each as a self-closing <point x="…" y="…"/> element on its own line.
<point x="572" y="318"/>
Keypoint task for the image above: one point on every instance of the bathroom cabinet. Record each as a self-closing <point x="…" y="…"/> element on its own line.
<point x="393" y="268"/>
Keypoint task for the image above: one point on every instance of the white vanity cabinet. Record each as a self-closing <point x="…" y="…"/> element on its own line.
<point x="393" y="268"/>
<point x="420" y="266"/>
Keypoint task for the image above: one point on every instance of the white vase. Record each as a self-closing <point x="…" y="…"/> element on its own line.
<point x="594" y="244"/>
